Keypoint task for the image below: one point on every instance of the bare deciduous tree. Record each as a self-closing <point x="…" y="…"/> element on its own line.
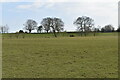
<point x="30" y="25"/>
<point x="46" y="23"/>
<point x="4" y="29"/>
<point x="56" y="24"/>
<point x="84" y="24"/>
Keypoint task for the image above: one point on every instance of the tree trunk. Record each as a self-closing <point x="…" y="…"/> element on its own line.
<point x="47" y="31"/>
<point x="54" y="33"/>
<point x="30" y="31"/>
<point x="82" y="32"/>
<point x="84" y="29"/>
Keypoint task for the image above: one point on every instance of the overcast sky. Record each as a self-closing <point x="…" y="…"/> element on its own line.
<point x="16" y="12"/>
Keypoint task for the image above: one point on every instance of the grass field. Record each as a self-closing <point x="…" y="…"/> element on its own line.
<point x="62" y="57"/>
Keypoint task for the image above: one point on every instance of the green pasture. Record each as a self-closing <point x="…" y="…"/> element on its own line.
<point x="44" y="56"/>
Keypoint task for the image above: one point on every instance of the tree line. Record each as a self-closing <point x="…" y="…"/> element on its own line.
<point x="48" y="24"/>
<point x="84" y="24"/>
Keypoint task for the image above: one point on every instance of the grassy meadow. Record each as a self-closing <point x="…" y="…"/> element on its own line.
<point x="44" y="56"/>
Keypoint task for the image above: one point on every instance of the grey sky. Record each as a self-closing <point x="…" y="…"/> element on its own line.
<point x="102" y="11"/>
